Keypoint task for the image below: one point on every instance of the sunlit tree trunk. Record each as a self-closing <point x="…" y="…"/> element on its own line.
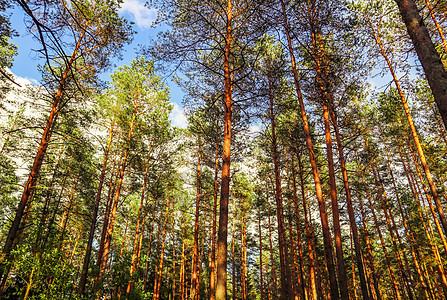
<point x="424" y="163"/>
<point x="173" y="265"/>
<point x="382" y="242"/>
<point x="287" y="290"/>
<point x="158" y="275"/>
<point x="298" y="230"/>
<point x="88" y="251"/>
<point x="221" y="287"/>
<point x="194" y="274"/>
<point x="261" y="277"/>
<point x="377" y="293"/>
<point x="213" y="230"/>
<point x="40" y="155"/>
<point x="149" y="247"/>
<point x="404" y="222"/>
<point x="328" y="250"/>
<point x="310" y="251"/>
<point x="115" y="203"/>
<point x="272" y="261"/>
<point x="384" y="204"/>
<point x="135" y="252"/>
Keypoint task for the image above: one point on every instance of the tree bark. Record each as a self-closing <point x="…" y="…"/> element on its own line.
<point x="40" y="155"/>
<point x="194" y="274"/>
<point x="328" y="250"/>
<point x="88" y="251"/>
<point x="287" y="290"/>
<point x="428" y="56"/>
<point x="158" y="278"/>
<point x="213" y="240"/>
<point x="221" y="287"/>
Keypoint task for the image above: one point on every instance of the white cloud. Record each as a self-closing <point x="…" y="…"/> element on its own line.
<point x="143" y="16"/>
<point x="23" y="81"/>
<point x="254" y="129"/>
<point x="178" y="117"/>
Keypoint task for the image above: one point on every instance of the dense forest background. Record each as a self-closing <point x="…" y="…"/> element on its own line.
<point x="296" y="177"/>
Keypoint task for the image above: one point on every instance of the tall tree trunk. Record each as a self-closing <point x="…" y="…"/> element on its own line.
<point x="310" y="251"/>
<point x="233" y="255"/>
<point x="173" y="264"/>
<point x="261" y="277"/>
<point x="158" y="277"/>
<point x="244" y="256"/>
<point x="384" y="204"/>
<point x="115" y="203"/>
<point x="352" y="220"/>
<point x="213" y="240"/>
<point x="149" y="247"/>
<point x="317" y="52"/>
<point x="408" y="233"/>
<point x="301" y="270"/>
<point x="408" y="5"/>
<point x="182" y="267"/>
<point x="328" y="250"/>
<point x="382" y="242"/>
<point x="111" y="191"/>
<point x="40" y="155"/>
<point x="88" y="251"/>
<point x="221" y="288"/>
<point x="341" y="268"/>
<point x="135" y="251"/>
<point x="437" y="25"/>
<point x="287" y="291"/>
<point x="272" y="261"/>
<point x="377" y="293"/>
<point x="194" y="274"/>
<point x="428" y="56"/>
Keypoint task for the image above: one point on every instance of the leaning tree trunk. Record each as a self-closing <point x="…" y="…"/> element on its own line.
<point x="38" y="159"/>
<point x="431" y="61"/>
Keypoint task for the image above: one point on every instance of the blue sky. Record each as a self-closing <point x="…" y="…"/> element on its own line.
<point x="25" y="63"/>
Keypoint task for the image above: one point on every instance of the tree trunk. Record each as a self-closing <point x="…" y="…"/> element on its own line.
<point x="157" y="284"/>
<point x="287" y="291"/>
<point x="310" y="252"/>
<point x="135" y="251"/>
<point x="328" y="250"/>
<point x="298" y="233"/>
<point x="233" y="258"/>
<point x="88" y="251"/>
<point x="272" y="261"/>
<point x="428" y="56"/>
<point x="40" y="155"/>
<point x="221" y="288"/>
<point x="261" y="284"/>
<point x="194" y="274"/>
<point x="377" y="293"/>
<point x="213" y="240"/>
<point x="149" y="247"/>
<point x="379" y="232"/>
<point x="173" y="265"/>
<point x="115" y="203"/>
